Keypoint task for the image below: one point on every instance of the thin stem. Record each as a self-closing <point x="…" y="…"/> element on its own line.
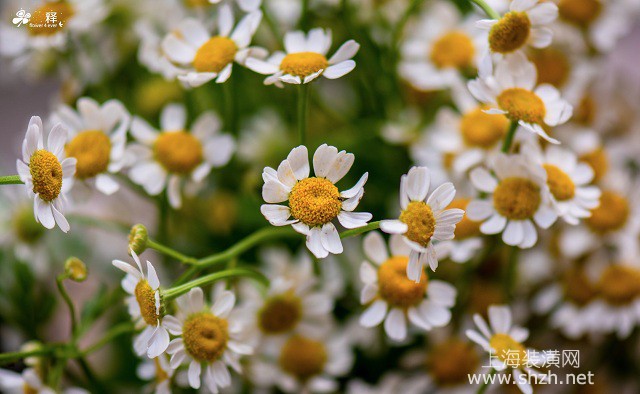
<point x="10" y="180"/>
<point x="485" y="385"/>
<point x="67" y="300"/>
<point x="357" y="231"/>
<point x="510" y="273"/>
<point x="171" y="252"/>
<point x="487" y="9"/>
<point x="113" y="333"/>
<point x="207" y="279"/>
<point x="303" y="99"/>
<point x="304" y="15"/>
<point x="508" y="139"/>
<point x="91" y="376"/>
<point x="6" y="358"/>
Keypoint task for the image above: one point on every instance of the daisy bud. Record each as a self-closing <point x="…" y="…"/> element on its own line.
<point x="75" y="269"/>
<point x="138" y="238"/>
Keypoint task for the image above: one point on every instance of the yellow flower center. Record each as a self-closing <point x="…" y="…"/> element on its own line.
<point x="578" y="287"/>
<point x="50" y="18"/>
<point x="155" y="93"/>
<point x="466" y="228"/>
<point x="315" y="201"/>
<point x="26" y="389"/>
<point x="510" y="32"/>
<point x="579" y="12"/>
<point x="302" y="357"/>
<point x="517" y="198"/>
<point x="450" y="361"/>
<point x="610" y="215"/>
<point x="302" y="64"/>
<point x="507" y="349"/>
<point x="560" y="184"/>
<point x="396" y="288"/>
<point x="205" y="336"/>
<point x="92" y="149"/>
<point x="46" y="172"/>
<point x="453" y="49"/>
<point x="420" y="221"/>
<point x="483" y="130"/>
<point x="146" y="298"/>
<point x="598" y="161"/>
<point x="161" y="374"/>
<point x="178" y="151"/>
<point x="280" y="313"/>
<point x="552" y="65"/>
<point x="522" y="104"/>
<point x="215" y="54"/>
<point x="620" y="284"/>
<point x="197" y="3"/>
<point x="25" y="226"/>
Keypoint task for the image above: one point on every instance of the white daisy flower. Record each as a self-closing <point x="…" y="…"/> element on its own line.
<point x="441" y="49"/>
<point x="509" y="90"/>
<point x="159" y="372"/>
<point x="517" y="196"/>
<point x="423" y="219"/>
<point x="96" y="139"/>
<point x="525" y="23"/>
<point x="145" y="306"/>
<point x="205" y="56"/>
<point x="29" y="382"/>
<point x="207" y="338"/>
<point x="314" y="202"/>
<point x="568" y="181"/>
<point x="502" y="340"/>
<point x="245" y="5"/>
<point x="305" y="59"/>
<point x="47" y="175"/>
<point x="172" y="155"/>
<point x="393" y="298"/>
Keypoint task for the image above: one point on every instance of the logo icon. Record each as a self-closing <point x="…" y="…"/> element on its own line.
<point x="22" y="18"/>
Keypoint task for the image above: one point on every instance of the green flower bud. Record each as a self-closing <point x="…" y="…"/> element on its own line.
<point x="138" y="238"/>
<point x="75" y="269"/>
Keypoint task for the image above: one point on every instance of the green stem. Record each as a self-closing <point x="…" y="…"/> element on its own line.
<point x="485" y="385"/>
<point x="207" y="279"/>
<point x="91" y="376"/>
<point x="67" y="300"/>
<point x="10" y="180"/>
<point x="171" y="252"/>
<point x="113" y="333"/>
<point x="304" y="15"/>
<point x="357" y="231"/>
<point x="6" y="358"/>
<point x="303" y="98"/>
<point x="508" y="139"/>
<point x="266" y="15"/>
<point x="511" y="272"/>
<point x="229" y="103"/>
<point x="487" y="9"/>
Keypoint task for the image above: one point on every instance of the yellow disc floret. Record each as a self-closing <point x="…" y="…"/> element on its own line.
<point x="453" y="49"/>
<point x="146" y="298"/>
<point x="552" y="65"/>
<point x="315" y="201"/>
<point x="302" y="357"/>
<point x="577" y="286"/>
<point x="517" y="198"/>
<point x="450" y="361"/>
<point x="92" y="149"/>
<point x="280" y="313"/>
<point x="178" y="151"/>
<point x="611" y="215"/>
<point x="598" y="161"/>
<point x="420" y="221"/>
<point x="46" y="172"/>
<point x="396" y="288"/>
<point x="620" y="284"/>
<point x="466" y="228"/>
<point x="303" y="64"/>
<point x="522" y="104"/>
<point x="579" y="12"/>
<point x="508" y="350"/>
<point x="483" y="130"/>
<point x="205" y="336"/>
<point x="50" y="18"/>
<point x="560" y="184"/>
<point x="215" y="54"/>
<point x="510" y="33"/>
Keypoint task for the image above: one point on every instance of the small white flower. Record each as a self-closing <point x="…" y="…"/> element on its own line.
<point x="393" y="298"/>
<point x="47" y="175"/>
<point x="145" y="306"/>
<point x="314" y="202"/>
<point x="207" y="338"/>
<point x="29" y="382"/>
<point x="517" y="197"/>
<point x="159" y="372"/>
<point x="172" y="155"/>
<point x="511" y="91"/>
<point x="204" y="56"/>
<point x="96" y="139"/>
<point x="423" y="219"/>
<point x="305" y="59"/>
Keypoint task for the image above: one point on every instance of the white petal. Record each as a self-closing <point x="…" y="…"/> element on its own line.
<point x="299" y="160"/>
<point x="331" y="239"/>
<point x="374" y="314"/>
<point x="224" y="304"/>
<point x="514" y="233"/>
<point x="375" y="248"/>
<point x="339" y="70"/>
<point x="345" y="52"/>
<point x="106" y="184"/>
<point x="354" y="219"/>
<point x="173" y="118"/>
<point x="395" y="325"/>
<point x="194" y="374"/>
<point x="494" y="225"/>
<point x="393" y="227"/>
<point x="441" y="197"/>
<point x="418" y="181"/>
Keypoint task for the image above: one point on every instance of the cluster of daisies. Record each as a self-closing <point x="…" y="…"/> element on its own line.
<point x="517" y="201"/>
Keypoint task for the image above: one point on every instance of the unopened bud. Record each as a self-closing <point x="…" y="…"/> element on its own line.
<point x="75" y="269"/>
<point x="138" y="238"/>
